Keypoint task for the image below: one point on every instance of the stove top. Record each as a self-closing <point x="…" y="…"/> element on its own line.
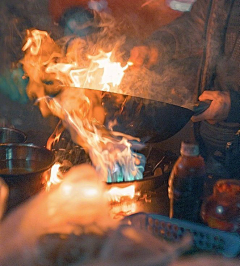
<point x="158" y="162"/>
<point x="151" y="191"/>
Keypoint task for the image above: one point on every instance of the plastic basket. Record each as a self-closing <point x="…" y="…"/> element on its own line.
<point x="204" y="237"/>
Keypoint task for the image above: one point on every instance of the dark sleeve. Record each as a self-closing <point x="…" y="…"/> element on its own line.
<point x="184" y="36"/>
<point x="234" y="114"/>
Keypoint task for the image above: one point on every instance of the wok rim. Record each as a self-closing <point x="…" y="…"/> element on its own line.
<point x="24" y="135"/>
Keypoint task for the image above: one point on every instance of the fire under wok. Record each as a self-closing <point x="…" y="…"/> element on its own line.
<point x="149" y="120"/>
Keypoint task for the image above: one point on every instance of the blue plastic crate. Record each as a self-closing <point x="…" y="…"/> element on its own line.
<point x="204" y="237"/>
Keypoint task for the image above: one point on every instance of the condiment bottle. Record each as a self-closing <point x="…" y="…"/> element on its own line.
<point x="222" y="209"/>
<point x="186" y="183"/>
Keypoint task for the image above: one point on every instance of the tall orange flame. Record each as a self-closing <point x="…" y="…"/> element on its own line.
<point x="65" y="70"/>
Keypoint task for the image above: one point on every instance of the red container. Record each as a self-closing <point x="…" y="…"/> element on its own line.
<point x="222" y="209"/>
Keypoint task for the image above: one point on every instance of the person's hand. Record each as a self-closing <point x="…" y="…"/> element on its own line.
<point x="144" y="56"/>
<point x="218" y="109"/>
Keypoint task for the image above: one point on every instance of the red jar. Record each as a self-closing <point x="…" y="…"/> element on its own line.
<point x="222" y="209"/>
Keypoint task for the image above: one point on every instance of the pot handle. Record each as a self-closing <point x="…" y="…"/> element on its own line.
<point x="200" y="107"/>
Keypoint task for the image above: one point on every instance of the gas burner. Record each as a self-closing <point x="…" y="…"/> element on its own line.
<point x="158" y="162"/>
<point x="150" y="193"/>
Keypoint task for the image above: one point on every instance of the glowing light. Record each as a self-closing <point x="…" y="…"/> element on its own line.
<point x="4" y="192"/>
<point x="55" y="175"/>
<point x="116" y="193"/>
<point x="103" y="73"/>
<point x="113" y="72"/>
<point x="90" y="192"/>
<point x="55" y="136"/>
<point x="83" y="190"/>
<point x="67" y="71"/>
<point x="67" y="189"/>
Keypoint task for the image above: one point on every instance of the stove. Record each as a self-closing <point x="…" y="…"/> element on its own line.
<point x="150" y="192"/>
<point x="159" y="162"/>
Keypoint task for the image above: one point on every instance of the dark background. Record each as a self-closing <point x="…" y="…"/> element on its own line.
<point x="15" y="18"/>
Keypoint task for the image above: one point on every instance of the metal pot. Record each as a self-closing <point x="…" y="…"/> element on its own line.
<point x="11" y="135"/>
<point x="22" y="167"/>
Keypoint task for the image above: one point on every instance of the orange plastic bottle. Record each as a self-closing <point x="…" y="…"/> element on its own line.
<point x="186" y="183"/>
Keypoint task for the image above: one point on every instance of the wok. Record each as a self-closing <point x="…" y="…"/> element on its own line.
<point x="149" y="120"/>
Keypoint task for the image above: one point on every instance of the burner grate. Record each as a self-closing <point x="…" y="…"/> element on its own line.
<point x="158" y="162"/>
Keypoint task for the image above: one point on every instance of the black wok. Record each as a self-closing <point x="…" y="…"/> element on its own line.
<point x="149" y="120"/>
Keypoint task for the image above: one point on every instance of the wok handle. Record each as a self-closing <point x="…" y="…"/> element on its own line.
<point x="200" y="107"/>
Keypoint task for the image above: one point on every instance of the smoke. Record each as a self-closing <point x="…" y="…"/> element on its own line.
<point x="15" y="18"/>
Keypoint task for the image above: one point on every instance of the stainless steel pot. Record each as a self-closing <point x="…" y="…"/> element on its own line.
<point x="22" y="167"/>
<point x="11" y="135"/>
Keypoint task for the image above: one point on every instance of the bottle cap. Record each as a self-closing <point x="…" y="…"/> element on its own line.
<point x="189" y="149"/>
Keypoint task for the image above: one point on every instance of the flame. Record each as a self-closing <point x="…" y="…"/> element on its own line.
<point x="103" y="73"/>
<point x="123" y="201"/>
<point x="34" y="41"/>
<point x="63" y="72"/>
<point x="121" y="210"/>
<point x="115" y="194"/>
<point x="87" y="191"/>
<point x="55" y="176"/>
<point x="113" y="72"/>
<point x="55" y="135"/>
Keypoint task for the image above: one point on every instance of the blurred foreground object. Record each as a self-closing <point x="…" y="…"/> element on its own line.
<point x="202" y="260"/>
<point x="222" y="209"/>
<point x="71" y="224"/>
<point x="3" y="197"/>
<point x="204" y="238"/>
<point x="77" y="204"/>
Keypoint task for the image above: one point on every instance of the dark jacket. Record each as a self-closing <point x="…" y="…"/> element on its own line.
<point x="208" y="32"/>
<point x="210" y="35"/>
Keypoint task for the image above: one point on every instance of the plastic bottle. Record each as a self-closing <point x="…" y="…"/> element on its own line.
<point x="186" y="183"/>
